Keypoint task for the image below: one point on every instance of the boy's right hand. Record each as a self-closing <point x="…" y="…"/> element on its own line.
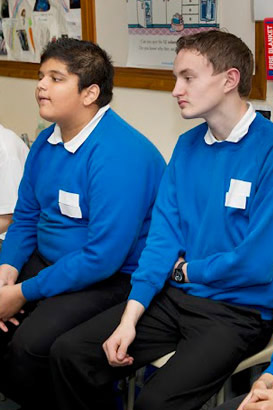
<point x="8" y="275"/>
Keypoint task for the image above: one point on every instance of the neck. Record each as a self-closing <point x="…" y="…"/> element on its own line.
<point x="72" y="128"/>
<point x="226" y="119"/>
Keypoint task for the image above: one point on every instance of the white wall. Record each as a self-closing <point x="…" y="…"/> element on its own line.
<point x="154" y="113"/>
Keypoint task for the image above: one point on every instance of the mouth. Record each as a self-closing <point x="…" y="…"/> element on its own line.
<point x="42" y="99"/>
<point x="182" y="103"/>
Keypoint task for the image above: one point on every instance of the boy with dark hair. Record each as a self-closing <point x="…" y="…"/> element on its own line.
<point x="208" y="261"/>
<point x="82" y="215"/>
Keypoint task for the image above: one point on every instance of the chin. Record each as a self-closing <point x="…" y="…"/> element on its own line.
<point x="187" y="116"/>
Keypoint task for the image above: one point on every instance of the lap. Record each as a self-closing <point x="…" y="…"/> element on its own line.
<point x="53" y="316"/>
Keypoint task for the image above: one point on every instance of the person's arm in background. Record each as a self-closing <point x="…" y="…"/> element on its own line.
<point x="21" y="238"/>
<point x="5" y="221"/>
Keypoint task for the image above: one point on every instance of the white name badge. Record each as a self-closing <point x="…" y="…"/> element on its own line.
<point x="69" y="204"/>
<point x="237" y="194"/>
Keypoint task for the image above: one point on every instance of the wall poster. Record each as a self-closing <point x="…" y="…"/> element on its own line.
<point x="154" y="27"/>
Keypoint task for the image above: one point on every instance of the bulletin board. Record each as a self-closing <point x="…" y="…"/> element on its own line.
<point x="30" y="70"/>
<point x="152" y="79"/>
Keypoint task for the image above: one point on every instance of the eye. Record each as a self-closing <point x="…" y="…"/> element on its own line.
<point x="56" y="79"/>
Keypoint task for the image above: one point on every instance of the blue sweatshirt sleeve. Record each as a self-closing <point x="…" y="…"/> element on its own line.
<point x="21" y="238"/>
<point x="269" y="369"/>
<point x="254" y="254"/>
<point x="120" y="201"/>
<point x="164" y="243"/>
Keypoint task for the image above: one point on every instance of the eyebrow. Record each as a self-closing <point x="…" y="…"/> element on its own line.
<point x="184" y="72"/>
<point x="53" y="72"/>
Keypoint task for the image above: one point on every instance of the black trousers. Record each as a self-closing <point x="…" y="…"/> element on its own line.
<point x="210" y="339"/>
<point x="24" y="351"/>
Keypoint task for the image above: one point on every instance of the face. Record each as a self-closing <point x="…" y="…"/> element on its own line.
<point x="198" y="90"/>
<point x="57" y="93"/>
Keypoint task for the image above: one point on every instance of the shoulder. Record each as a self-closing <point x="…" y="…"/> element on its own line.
<point x="262" y="127"/>
<point x="190" y="139"/>
<point x="117" y="136"/>
<point x="260" y="135"/>
<point x="11" y="144"/>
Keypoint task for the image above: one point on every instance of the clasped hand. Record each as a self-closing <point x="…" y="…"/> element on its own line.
<point x="260" y="396"/>
<point x="11" y="296"/>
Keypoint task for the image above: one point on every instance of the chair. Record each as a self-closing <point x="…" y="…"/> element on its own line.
<point x="262" y="357"/>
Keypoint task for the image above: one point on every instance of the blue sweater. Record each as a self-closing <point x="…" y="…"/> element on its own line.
<point x="114" y="176"/>
<point x="215" y="207"/>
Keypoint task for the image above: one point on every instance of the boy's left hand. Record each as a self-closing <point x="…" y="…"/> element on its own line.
<point x="11" y="301"/>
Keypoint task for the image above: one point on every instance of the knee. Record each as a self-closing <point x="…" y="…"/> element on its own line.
<point x="62" y="351"/>
<point x="22" y="345"/>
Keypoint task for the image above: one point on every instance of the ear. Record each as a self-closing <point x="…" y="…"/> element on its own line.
<point x="90" y="94"/>
<point x="232" y="79"/>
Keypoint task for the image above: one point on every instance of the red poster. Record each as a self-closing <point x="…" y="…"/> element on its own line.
<point x="268" y="33"/>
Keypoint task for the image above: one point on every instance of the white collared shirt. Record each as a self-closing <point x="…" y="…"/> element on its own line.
<point x="239" y="131"/>
<point x="72" y="145"/>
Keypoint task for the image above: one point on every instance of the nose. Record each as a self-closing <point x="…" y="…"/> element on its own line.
<point x="179" y="88"/>
<point x="42" y="83"/>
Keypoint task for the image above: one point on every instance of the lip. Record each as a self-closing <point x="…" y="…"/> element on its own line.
<point x="182" y="103"/>
<point x="42" y="99"/>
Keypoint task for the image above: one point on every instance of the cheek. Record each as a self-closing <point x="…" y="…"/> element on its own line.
<point x="36" y="94"/>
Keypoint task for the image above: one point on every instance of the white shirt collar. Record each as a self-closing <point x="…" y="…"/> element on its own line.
<point x="72" y="145"/>
<point x="239" y="131"/>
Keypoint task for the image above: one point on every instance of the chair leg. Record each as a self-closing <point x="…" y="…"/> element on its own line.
<point x="131" y="391"/>
<point x="221" y="396"/>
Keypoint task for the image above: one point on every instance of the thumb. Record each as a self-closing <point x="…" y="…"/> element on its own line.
<point x="122" y="351"/>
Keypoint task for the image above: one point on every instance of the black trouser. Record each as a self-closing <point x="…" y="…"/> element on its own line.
<point x="210" y="339"/>
<point x="24" y="369"/>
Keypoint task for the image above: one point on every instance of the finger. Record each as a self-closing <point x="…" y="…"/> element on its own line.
<point x="263" y="394"/>
<point x="127" y="361"/>
<point x="14" y="321"/>
<point x="10" y="281"/>
<point x="245" y="401"/>
<point x="122" y="350"/>
<point x="3" y="326"/>
<point x="260" y="405"/>
<point x="2" y="283"/>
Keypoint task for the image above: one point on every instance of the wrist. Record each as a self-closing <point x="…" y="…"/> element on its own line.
<point x="132" y="313"/>
<point x="267" y="379"/>
<point x="179" y="274"/>
<point x="19" y="293"/>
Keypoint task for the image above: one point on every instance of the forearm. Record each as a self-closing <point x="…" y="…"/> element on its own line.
<point x="5" y="221"/>
<point x="132" y="313"/>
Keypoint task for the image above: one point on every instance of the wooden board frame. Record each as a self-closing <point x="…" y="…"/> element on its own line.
<point x="150" y="79"/>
